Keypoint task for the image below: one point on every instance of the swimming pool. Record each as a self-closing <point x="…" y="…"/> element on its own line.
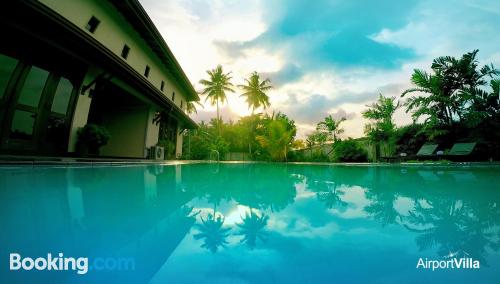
<point x="252" y="223"/>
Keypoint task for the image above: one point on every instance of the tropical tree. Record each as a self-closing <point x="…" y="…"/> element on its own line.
<point x="299" y="144"/>
<point x="316" y="138"/>
<point x="450" y="88"/>
<point x="255" y="91"/>
<point x="331" y="126"/>
<point x="484" y="105"/>
<point x="382" y="127"/>
<point x="249" y="126"/>
<point x="278" y="134"/>
<point x="216" y="87"/>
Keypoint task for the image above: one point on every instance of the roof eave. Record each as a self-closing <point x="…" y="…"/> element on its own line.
<point x="135" y="14"/>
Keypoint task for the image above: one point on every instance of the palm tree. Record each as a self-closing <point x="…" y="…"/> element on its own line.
<point x="216" y="87"/>
<point x="255" y="91"/>
<point x="448" y="88"/>
<point x="331" y="126"/>
<point x="252" y="228"/>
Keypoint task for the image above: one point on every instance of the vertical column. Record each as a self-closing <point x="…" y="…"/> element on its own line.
<point x="152" y="131"/>
<point x="82" y="109"/>
<point x="178" y="146"/>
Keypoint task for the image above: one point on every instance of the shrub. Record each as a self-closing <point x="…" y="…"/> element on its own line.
<point x="349" y="151"/>
<point x="410" y="138"/>
<point x="91" y="137"/>
<point x="168" y="147"/>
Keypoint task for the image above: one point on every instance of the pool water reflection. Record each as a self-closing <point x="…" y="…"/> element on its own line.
<point x="254" y="223"/>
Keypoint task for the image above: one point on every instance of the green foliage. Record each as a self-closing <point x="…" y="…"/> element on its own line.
<point x="169" y="147"/>
<point x="91" y="137"/>
<point x="381" y="129"/>
<point x="458" y="104"/>
<point x="450" y="90"/>
<point x="277" y="135"/>
<point x="349" y="151"/>
<point x="380" y="113"/>
<point x="410" y="138"/>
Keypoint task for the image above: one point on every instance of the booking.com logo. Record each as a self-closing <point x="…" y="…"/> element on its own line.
<point x="62" y="263"/>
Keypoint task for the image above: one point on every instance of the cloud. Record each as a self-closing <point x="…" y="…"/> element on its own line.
<point x="450" y="28"/>
<point x="225" y="112"/>
<point x="288" y="73"/>
<point x="327" y="56"/>
<point x="337" y="32"/>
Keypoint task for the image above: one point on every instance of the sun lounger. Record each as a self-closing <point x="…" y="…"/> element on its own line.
<point x="427" y="150"/>
<point x="460" y="150"/>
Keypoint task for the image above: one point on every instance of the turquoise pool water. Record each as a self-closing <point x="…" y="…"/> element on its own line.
<point x="252" y="223"/>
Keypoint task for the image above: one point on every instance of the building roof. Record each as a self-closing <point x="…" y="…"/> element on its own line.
<point x="135" y="14"/>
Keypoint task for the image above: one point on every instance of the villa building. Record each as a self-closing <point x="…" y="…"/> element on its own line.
<point x="65" y="64"/>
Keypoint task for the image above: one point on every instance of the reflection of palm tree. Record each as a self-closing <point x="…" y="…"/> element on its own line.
<point x="382" y="207"/>
<point x="452" y="226"/>
<point x="212" y="232"/>
<point x="252" y="228"/>
<point x="331" y="197"/>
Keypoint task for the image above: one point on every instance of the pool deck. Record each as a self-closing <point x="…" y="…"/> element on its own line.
<point x="8" y="160"/>
<point x="39" y="161"/>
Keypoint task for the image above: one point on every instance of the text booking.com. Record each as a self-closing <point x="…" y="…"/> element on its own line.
<point x="59" y="262"/>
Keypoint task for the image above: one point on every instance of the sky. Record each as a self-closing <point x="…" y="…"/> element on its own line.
<point x="326" y="56"/>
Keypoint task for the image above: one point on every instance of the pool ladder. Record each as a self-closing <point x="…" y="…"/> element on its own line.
<point x="218" y="155"/>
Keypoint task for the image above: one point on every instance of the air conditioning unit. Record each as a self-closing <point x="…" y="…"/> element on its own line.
<point x="157" y="153"/>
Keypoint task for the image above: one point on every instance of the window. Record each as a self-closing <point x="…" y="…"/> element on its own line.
<point x="146" y="71"/>
<point x="22" y="125"/>
<point x="92" y="24"/>
<point x="33" y="87"/>
<point x="125" y="51"/>
<point x="7" y="66"/>
<point x="62" y="96"/>
<point x="173" y="96"/>
<point x="162" y="86"/>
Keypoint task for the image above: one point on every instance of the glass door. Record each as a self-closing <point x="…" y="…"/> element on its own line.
<point x="36" y="106"/>
<point x="20" y="131"/>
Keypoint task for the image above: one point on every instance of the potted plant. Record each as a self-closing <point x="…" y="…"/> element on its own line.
<point x="91" y="138"/>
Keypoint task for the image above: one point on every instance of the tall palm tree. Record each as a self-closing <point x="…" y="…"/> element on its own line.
<point x="331" y="126"/>
<point x="216" y="87"/>
<point x="255" y="91"/>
